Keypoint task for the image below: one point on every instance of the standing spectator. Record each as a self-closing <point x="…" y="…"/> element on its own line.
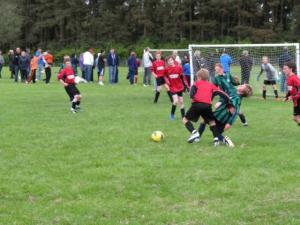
<point x="33" y="67"/>
<point x="113" y="63"/>
<point x="147" y="62"/>
<point x="284" y="58"/>
<point x="40" y="64"/>
<point x="1" y="63"/>
<point x="88" y="63"/>
<point x="48" y="61"/>
<point x="132" y="66"/>
<point x="11" y="56"/>
<point x="75" y="63"/>
<point x="101" y="66"/>
<point x="29" y="59"/>
<point x="199" y="62"/>
<point x="210" y="64"/>
<point x="226" y="61"/>
<point x="81" y="65"/>
<point x="246" y="67"/>
<point x="24" y="64"/>
<point x="16" y="63"/>
<point x="176" y="57"/>
<point x="137" y="71"/>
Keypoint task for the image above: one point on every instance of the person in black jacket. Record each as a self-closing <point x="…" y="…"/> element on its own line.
<point x="11" y="56"/>
<point x="101" y="67"/>
<point x="24" y="64"/>
<point x="16" y="63"/>
<point x="246" y="67"/>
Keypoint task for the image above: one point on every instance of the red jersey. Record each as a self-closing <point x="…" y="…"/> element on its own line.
<point x="294" y="88"/>
<point x="158" y="67"/>
<point x="67" y="75"/>
<point x="174" y="78"/>
<point x="203" y="91"/>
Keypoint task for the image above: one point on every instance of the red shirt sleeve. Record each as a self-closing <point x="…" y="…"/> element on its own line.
<point x="61" y="74"/>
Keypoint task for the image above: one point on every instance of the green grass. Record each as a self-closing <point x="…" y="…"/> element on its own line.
<point x="99" y="166"/>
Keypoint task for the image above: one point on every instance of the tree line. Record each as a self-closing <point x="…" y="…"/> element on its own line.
<point x="81" y="23"/>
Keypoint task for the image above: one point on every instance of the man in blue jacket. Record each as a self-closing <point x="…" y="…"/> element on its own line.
<point x="132" y="66"/>
<point x="113" y="63"/>
<point x="226" y="61"/>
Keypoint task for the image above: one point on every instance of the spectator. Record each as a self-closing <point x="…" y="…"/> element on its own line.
<point x="81" y="65"/>
<point x="147" y="62"/>
<point x="40" y="64"/>
<point x="284" y="58"/>
<point x="176" y="57"/>
<point x="226" y="61"/>
<point x="48" y="62"/>
<point x="16" y="63"/>
<point x="33" y="67"/>
<point x="132" y="67"/>
<point x="29" y="58"/>
<point x="1" y="63"/>
<point x="210" y="64"/>
<point x="75" y="63"/>
<point x="88" y="63"/>
<point x="100" y="66"/>
<point x="11" y="56"/>
<point x="199" y="62"/>
<point x="24" y="64"/>
<point x="113" y="63"/>
<point x="246" y="67"/>
<point x="137" y="71"/>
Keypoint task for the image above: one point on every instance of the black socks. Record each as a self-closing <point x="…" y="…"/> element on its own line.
<point x="157" y="93"/>
<point x="189" y="126"/>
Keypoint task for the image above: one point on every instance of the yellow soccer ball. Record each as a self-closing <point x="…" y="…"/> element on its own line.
<point x="157" y="136"/>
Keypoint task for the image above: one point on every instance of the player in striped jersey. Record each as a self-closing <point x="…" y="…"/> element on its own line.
<point x="225" y="115"/>
<point x="227" y="83"/>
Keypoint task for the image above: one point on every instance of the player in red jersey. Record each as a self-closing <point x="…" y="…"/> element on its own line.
<point x="201" y="94"/>
<point x="293" y="83"/>
<point x="67" y="78"/>
<point x="176" y="82"/>
<point x="158" y="71"/>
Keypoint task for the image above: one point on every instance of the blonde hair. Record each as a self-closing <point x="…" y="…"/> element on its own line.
<point x="67" y="58"/>
<point x="203" y="74"/>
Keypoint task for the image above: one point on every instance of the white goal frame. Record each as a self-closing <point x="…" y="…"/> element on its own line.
<point x="191" y="46"/>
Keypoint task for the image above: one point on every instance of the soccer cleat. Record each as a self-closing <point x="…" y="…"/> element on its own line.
<point x="77" y="107"/>
<point x="172" y="117"/>
<point x="195" y="137"/>
<point x="73" y="110"/>
<point x="216" y="142"/>
<point x="245" y="124"/>
<point x="101" y="83"/>
<point x="228" y="142"/>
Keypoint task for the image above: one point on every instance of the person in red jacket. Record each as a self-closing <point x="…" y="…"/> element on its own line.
<point x="67" y="78"/>
<point x="201" y="94"/>
<point x="176" y="83"/>
<point x="293" y="83"/>
<point x="158" y="71"/>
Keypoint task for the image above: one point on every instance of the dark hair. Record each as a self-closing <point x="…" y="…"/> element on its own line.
<point x="291" y="65"/>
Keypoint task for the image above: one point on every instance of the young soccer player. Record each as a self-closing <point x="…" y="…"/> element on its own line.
<point x="201" y="94"/>
<point x="158" y="71"/>
<point x="67" y="78"/>
<point x="270" y="77"/>
<point x="225" y="114"/>
<point x="289" y="69"/>
<point x="176" y="82"/>
<point x="227" y="83"/>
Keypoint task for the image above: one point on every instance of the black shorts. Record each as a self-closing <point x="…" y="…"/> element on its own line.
<point x="200" y="109"/>
<point x="180" y="93"/>
<point x="269" y="82"/>
<point x="72" y="90"/>
<point x="297" y="109"/>
<point x="160" y="81"/>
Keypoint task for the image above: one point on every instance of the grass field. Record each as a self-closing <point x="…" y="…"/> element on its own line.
<point x="100" y="167"/>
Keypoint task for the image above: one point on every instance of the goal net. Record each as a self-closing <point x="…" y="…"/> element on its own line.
<point x="208" y="55"/>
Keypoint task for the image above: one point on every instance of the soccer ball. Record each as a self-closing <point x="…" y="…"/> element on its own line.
<point x="157" y="136"/>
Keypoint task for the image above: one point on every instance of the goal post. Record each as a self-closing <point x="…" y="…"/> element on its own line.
<point x="256" y="52"/>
